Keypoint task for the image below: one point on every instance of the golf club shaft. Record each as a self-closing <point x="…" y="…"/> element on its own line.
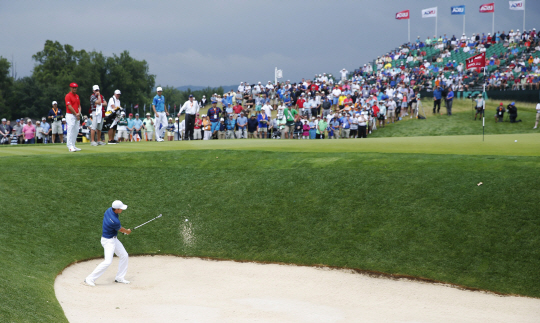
<point x="147" y="222"/>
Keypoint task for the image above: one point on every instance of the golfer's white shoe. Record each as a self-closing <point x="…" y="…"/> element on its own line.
<point x="160" y="140"/>
<point x="77" y="149"/>
<point x="89" y="282"/>
<point x="123" y="281"/>
<point x="72" y="150"/>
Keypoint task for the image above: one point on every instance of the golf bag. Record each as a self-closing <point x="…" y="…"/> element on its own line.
<point x="110" y="116"/>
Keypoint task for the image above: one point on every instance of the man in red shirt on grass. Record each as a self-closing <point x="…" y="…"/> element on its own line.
<point x="73" y="117"/>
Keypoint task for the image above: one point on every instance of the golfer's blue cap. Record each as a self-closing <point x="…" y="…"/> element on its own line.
<point x="18" y="120"/>
<point x="214" y="102"/>
<point x="513" y="103"/>
<point x="191" y="95"/>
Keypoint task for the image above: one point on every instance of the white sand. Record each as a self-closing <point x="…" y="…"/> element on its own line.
<point x="174" y="289"/>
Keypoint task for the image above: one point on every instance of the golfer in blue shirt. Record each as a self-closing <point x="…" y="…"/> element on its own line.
<point x="111" y="245"/>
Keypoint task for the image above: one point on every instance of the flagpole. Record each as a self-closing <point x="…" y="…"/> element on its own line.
<point x="436" y="17"/>
<point x="463" y="24"/>
<point x="484" y="104"/>
<point x="409" y="23"/>
<point x="523" y="15"/>
<point x="493" y="23"/>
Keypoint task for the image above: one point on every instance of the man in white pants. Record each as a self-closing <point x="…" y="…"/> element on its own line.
<point x="160" y="113"/>
<point x="111" y="245"/>
<point x="73" y="117"/>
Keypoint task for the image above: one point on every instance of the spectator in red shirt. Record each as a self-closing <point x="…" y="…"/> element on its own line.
<point x="238" y="108"/>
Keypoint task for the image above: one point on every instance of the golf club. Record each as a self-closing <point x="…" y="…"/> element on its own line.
<point x="159" y="216"/>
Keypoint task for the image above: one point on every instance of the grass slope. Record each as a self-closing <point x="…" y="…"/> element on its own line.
<point x="420" y="215"/>
<point x="461" y="122"/>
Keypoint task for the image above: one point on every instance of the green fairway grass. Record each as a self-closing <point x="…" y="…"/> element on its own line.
<point x="526" y="145"/>
<point x="461" y="122"/>
<point x="404" y="209"/>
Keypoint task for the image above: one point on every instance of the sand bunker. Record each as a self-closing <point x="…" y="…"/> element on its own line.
<point x="174" y="289"/>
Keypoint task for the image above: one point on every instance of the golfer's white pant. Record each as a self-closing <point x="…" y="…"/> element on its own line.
<point x="111" y="246"/>
<point x="72" y="130"/>
<point x="160" y="124"/>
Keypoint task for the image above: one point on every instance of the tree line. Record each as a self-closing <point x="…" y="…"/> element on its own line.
<point x="59" y="65"/>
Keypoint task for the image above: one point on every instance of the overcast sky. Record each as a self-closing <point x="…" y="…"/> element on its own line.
<point x="224" y="42"/>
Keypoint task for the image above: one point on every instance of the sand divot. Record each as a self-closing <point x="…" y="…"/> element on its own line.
<point x="175" y="289"/>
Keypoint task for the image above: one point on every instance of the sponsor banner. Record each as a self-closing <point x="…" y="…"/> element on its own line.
<point x="517" y="5"/>
<point x="457" y="10"/>
<point x="477" y="61"/>
<point x="402" y="15"/>
<point x="487" y="7"/>
<point x="429" y="12"/>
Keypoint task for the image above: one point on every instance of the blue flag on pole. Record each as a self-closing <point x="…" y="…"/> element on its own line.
<point x="458" y="10"/>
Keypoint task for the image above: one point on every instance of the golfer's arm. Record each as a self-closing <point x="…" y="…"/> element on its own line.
<point x="126" y="231"/>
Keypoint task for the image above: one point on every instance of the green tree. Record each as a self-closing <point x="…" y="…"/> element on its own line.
<point x="59" y="65"/>
<point x="6" y="83"/>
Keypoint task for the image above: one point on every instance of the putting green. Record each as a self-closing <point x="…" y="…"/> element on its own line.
<point x="504" y="145"/>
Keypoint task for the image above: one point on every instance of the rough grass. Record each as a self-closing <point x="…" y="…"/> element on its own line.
<point x="419" y="215"/>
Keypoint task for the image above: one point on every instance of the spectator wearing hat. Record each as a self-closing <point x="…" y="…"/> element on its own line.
<point x="437" y="96"/>
<point x="46" y="130"/>
<point x="197" y="132"/>
<point x="5" y="132"/>
<point x="161" y="113"/>
<point x="192" y="109"/>
<point x="222" y="128"/>
<point x="204" y="101"/>
<point x="40" y="135"/>
<point x="170" y="129"/>
<point x="480" y="105"/>
<point x="230" y="122"/>
<point x="214" y="113"/>
<point x="313" y="128"/>
<point x="335" y="125"/>
<point x="362" y="118"/>
<point x="148" y="125"/>
<point x="241" y="123"/>
<point x="207" y="127"/>
<point x="499" y="114"/>
<point x="136" y="127"/>
<point x="512" y="111"/>
<point x="449" y="101"/>
<point x="18" y="131"/>
<point x="298" y="128"/>
<point x="97" y="107"/>
<point x="114" y="105"/>
<point x="346" y="126"/>
<point x="123" y="134"/>
<point x="252" y="125"/>
<point x="29" y="132"/>
<point x="130" y="121"/>
<point x="322" y="126"/>
<point x="73" y="117"/>
<point x="55" y="117"/>
<point x="263" y="120"/>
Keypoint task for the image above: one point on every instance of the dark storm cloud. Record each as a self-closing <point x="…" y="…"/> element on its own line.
<point x="225" y="42"/>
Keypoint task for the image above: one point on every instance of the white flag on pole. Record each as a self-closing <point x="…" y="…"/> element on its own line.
<point x="429" y="12"/>
<point x="279" y="74"/>
<point x="517" y="5"/>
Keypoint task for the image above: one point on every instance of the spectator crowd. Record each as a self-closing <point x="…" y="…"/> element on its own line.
<point x="353" y="105"/>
